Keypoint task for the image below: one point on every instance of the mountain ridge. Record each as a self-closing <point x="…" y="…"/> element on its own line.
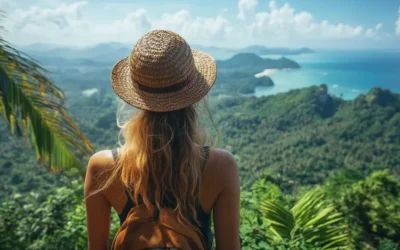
<point x="115" y="50"/>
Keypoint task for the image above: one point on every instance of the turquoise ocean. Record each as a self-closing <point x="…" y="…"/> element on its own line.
<point x="346" y="73"/>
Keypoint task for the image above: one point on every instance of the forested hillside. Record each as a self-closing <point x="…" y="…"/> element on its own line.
<point x="303" y="135"/>
<point x="285" y="145"/>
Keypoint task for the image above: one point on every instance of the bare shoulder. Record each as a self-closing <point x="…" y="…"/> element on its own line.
<point x="100" y="161"/>
<point x="98" y="166"/>
<point x="223" y="165"/>
<point x="222" y="158"/>
<point x="221" y="176"/>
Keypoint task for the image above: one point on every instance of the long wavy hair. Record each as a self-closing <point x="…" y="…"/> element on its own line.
<point x="162" y="158"/>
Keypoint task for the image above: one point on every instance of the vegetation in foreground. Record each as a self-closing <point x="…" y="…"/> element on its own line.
<point x="33" y="106"/>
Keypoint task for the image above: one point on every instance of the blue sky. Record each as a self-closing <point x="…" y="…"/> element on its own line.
<point x="344" y="24"/>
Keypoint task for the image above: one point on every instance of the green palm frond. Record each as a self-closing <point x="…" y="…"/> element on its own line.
<point x="32" y="105"/>
<point x="311" y="220"/>
<point x="280" y="219"/>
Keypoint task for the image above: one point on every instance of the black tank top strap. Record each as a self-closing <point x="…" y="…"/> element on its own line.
<point x="128" y="206"/>
<point x="129" y="203"/>
<point x="115" y="154"/>
<point x="206" y="150"/>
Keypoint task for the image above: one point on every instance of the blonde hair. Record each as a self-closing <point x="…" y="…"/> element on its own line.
<point x="162" y="156"/>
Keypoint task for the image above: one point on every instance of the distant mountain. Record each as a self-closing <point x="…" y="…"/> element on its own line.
<point x="114" y="51"/>
<point x="38" y="47"/>
<point x="262" y="50"/>
<point x="251" y="60"/>
<point x="100" y="52"/>
<point x="62" y="62"/>
<point x="216" y="52"/>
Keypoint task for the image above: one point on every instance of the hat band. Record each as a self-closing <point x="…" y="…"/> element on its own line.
<point x="163" y="90"/>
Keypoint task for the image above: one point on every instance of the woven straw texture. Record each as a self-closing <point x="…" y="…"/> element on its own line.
<point x="163" y="59"/>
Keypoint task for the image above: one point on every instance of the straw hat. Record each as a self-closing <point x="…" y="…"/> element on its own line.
<point x="163" y="73"/>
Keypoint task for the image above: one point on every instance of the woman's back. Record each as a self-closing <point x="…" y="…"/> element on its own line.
<point x="219" y="193"/>
<point x="162" y="156"/>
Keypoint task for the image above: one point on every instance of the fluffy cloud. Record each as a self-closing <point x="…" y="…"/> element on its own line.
<point x="70" y="24"/>
<point x="398" y="25"/>
<point x="246" y="8"/>
<point x="60" y="17"/>
<point x="373" y="32"/>
<point x="284" y="23"/>
<point x="77" y="23"/>
<point x="128" y="29"/>
<point x="60" y="24"/>
<point x="198" y="28"/>
<point x="6" y="5"/>
<point x="49" y="2"/>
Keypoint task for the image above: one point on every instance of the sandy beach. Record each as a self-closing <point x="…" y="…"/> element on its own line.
<point x="266" y="72"/>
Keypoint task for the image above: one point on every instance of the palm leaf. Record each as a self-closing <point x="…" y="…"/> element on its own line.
<point x="308" y="206"/>
<point x="32" y="104"/>
<point x="280" y="219"/>
<point x="310" y="219"/>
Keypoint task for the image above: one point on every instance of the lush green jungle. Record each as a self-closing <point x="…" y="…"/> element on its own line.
<point x="317" y="171"/>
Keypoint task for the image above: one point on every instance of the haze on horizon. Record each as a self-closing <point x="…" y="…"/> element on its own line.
<point x="229" y="24"/>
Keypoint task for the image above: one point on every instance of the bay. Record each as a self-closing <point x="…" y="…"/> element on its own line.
<point x="347" y="73"/>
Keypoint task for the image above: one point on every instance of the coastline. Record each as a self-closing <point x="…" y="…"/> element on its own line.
<point x="266" y="72"/>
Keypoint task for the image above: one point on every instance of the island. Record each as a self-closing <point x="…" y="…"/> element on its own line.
<point x="256" y="63"/>
<point x="243" y="72"/>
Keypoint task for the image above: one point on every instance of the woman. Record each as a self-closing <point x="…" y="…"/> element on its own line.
<point x="163" y="165"/>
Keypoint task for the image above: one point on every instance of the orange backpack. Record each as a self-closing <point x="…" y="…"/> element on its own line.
<point x="156" y="229"/>
<point x="146" y="229"/>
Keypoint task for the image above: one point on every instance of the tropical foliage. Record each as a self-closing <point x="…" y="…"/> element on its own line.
<point x="286" y="145"/>
<point x="33" y="106"/>
<point x="56" y="223"/>
<point x="372" y="208"/>
<point x="311" y="221"/>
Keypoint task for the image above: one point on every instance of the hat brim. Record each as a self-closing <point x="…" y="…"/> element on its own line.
<point x="198" y="85"/>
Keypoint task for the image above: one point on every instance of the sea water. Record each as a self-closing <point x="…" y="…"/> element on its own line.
<point x="346" y="73"/>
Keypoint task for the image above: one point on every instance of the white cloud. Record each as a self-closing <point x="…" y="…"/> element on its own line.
<point x="246" y="8"/>
<point x="284" y="23"/>
<point x="80" y="24"/>
<point x="193" y="28"/>
<point x="61" y="17"/>
<point x="373" y="32"/>
<point x="50" y="2"/>
<point x="70" y="24"/>
<point x="129" y="29"/>
<point x="62" y="24"/>
<point x="398" y="25"/>
<point x="6" y="5"/>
